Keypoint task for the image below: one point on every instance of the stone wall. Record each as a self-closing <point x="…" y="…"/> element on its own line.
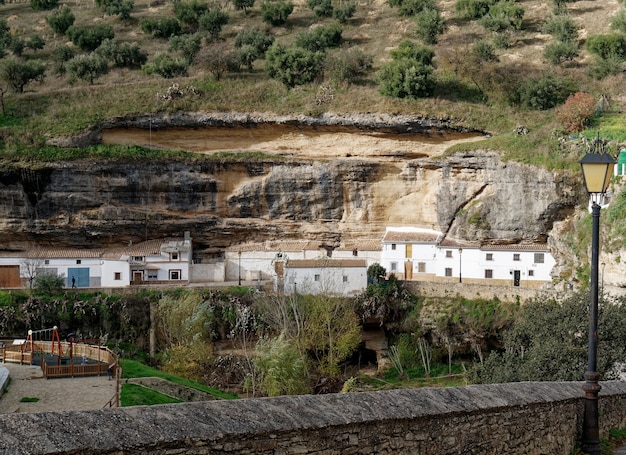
<point x="505" y="293"/>
<point x="518" y="418"/>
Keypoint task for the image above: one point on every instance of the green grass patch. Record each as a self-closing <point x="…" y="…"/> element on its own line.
<point x="134" y="369"/>
<point x="29" y="400"/>
<point x="416" y="377"/>
<point x="610" y="126"/>
<point x="137" y="395"/>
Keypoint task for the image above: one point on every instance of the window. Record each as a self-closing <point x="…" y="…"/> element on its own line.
<point x="488" y="273"/>
<point x="174" y="274"/>
<point x="118" y="276"/>
<point x="538" y="258"/>
<point x="345" y="278"/>
<point x="173" y="256"/>
<point x="448" y="271"/>
<point x="448" y="253"/>
<point x="393" y="247"/>
<point x="153" y="274"/>
<point x="317" y="277"/>
<point x="421" y="267"/>
<point x="46" y="262"/>
<point x="138" y="258"/>
<point x="394" y="266"/>
<point x="78" y="261"/>
<point x="531" y="273"/>
<point x="489" y="257"/>
<point x="516" y="256"/>
<point x="355" y="252"/>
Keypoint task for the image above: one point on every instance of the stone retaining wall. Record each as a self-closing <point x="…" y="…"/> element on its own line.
<point x="478" y="290"/>
<point x="518" y="418"/>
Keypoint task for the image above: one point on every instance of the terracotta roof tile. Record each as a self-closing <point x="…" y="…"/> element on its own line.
<point x="325" y="263"/>
<point x="411" y="236"/>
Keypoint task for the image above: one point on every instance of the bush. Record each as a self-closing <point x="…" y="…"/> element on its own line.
<point x="35" y="43"/>
<point x="87" y="67"/>
<point x="347" y="64"/>
<point x="503" y="16"/>
<point x="473" y="9"/>
<point x="213" y="21"/>
<point x="189" y="13"/>
<point x="577" y="111"/>
<point x="607" y="46"/>
<point x="17" y="45"/>
<point x="61" y="19"/>
<point x="188" y="45"/>
<point x="40" y="5"/>
<point x="276" y="12"/>
<point x="243" y="5"/>
<point x="562" y="28"/>
<point x="49" y="283"/>
<point x="561" y="51"/>
<point x="344" y="12"/>
<point x="166" y="27"/>
<point x="413" y="51"/>
<point x="252" y="44"/>
<point x="430" y="25"/>
<point x="219" y="58"/>
<point x="17" y="73"/>
<point x="544" y="93"/>
<point x="321" y="8"/>
<point x="166" y="66"/>
<point x="484" y="51"/>
<point x="292" y="66"/>
<point x="618" y="21"/>
<point x="122" y="55"/>
<point x="412" y="7"/>
<point x="320" y="38"/>
<point x="406" y="78"/>
<point x="602" y="68"/>
<point x="88" y="38"/>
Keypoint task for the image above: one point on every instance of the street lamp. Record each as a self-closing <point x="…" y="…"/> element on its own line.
<point x="597" y="168"/>
<point x="239" y="267"/>
<point x="460" y="252"/>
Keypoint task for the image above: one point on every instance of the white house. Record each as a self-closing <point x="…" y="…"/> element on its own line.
<point x="410" y="252"/>
<point x="330" y="276"/>
<point x="368" y="249"/>
<point x="153" y="261"/>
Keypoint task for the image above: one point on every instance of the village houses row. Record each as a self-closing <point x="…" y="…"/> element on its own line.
<point x="303" y="266"/>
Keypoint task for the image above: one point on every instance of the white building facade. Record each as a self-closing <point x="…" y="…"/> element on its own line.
<point x="325" y="276"/>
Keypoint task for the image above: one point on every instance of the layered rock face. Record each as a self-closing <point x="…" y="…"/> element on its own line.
<point x="474" y="197"/>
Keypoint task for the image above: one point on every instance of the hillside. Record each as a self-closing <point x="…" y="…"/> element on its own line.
<point x="467" y="94"/>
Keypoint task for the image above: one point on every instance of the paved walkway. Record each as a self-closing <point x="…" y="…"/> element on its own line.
<point x="61" y="394"/>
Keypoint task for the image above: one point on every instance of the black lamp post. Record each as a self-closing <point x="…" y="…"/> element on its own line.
<point x="239" y="267"/>
<point x="597" y="168"/>
<point x="460" y="267"/>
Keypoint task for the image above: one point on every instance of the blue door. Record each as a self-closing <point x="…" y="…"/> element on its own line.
<point x="78" y="277"/>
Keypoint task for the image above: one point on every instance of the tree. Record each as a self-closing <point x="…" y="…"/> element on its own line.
<point x="60" y="56"/>
<point x="166" y="66"/>
<point x="213" y="21"/>
<point x="35" y="42"/>
<point x="243" y="5"/>
<point x="218" y="58"/>
<point x="577" y="111"/>
<point x="405" y="78"/>
<point x="346" y="65"/>
<point x="321" y="8"/>
<point x="430" y="25"/>
<point x="164" y="27"/>
<point x="122" y="55"/>
<point x="561" y="51"/>
<point x="607" y="46"/>
<point x="89" y="38"/>
<point x="376" y="273"/>
<point x="87" y="67"/>
<point x="320" y="38"/>
<point x="189" y="12"/>
<point x="292" y="66"/>
<point x="188" y="45"/>
<point x="411" y="7"/>
<point x="561" y="27"/>
<point x="276" y="12"/>
<point x="281" y="368"/>
<point x="31" y="268"/>
<point x="40" y="5"/>
<point x="252" y="44"/>
<point x="344" y="11"/>
<point x="49" y="283"/>
<point x="18" y="74"/>
<point x="61" y="19"/>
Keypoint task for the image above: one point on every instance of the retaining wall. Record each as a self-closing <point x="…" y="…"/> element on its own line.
<point x="518" y="418"/>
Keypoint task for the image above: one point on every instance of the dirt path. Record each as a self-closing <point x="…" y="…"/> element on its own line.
<point x="63" y="394"/>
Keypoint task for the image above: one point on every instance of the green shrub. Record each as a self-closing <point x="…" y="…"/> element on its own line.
<point x="88" y="38"/>
<point x="188" y="45"/>
<point x="35" y="43"/>
<point x="61" y="19"/>
<point x="502" y="40"/>
<point x="292" y="66"/>
<point x="321" y="8"/>
<point x="344" y="12"/>
<point x="189" y="13"/>
<point x="511" y="13"/>
<point x="601" y="68"/>
<point x="213" y="21"/>
<point x="320" y="38"/>
<point x="122" y="55"/>
<point x="243" y="5"/>
<point x="281" y="369"/>
<point x="123" y="8"/>
<point x="618" y="21"/>
<point x="165" y="27"/>
<point x="472" y="9"/>
<point x="562" y="28"/>
<point x="405" y="78"/>
<point x="560" y="51"/>
<point x="17" y="45"/>
<point x="544" y="93"/>
<point x="49" y="283"/>
<point x="412" y="7"/>
<point x="166" y="66"/>
<point x="413" y="51"/>
<point x="87" y="67"/>
<point x="252" y="44"/>
<point x="60" y="56"/>
<point x="430" y="25"/>
<point x="276" y="12"/>
<point x="484" y="51"/>
<point x="607" y="46"/>
<point x="40" y="5"/>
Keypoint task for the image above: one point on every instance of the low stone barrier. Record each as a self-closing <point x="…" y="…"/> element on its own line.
<point x="517" y="418"/>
